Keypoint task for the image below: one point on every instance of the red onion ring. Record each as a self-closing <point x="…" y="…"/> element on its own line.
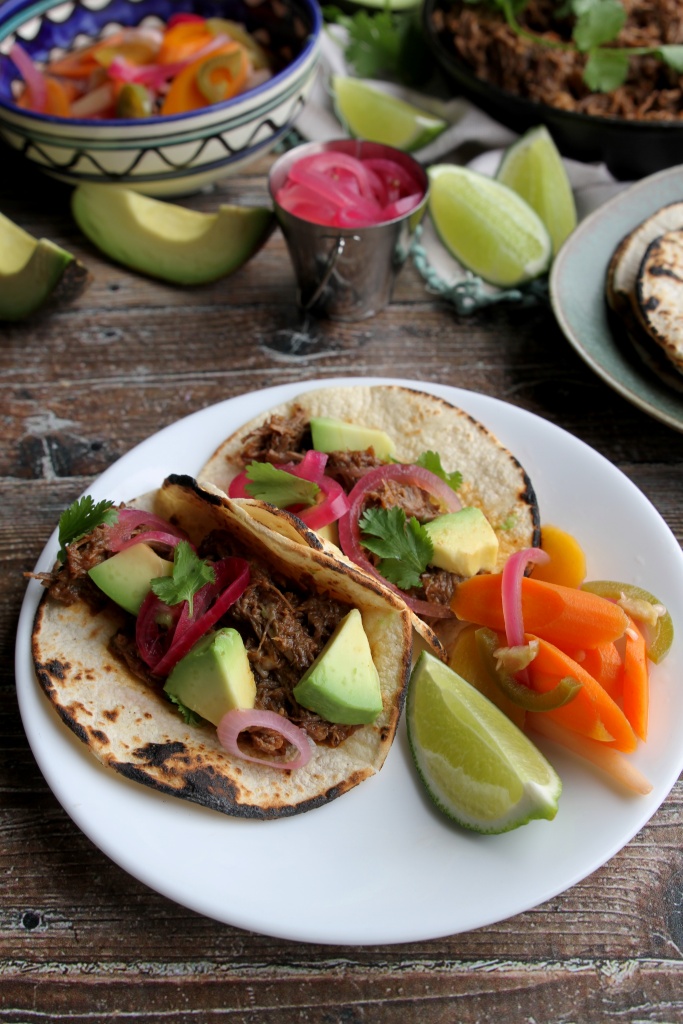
<point x="511" y="594"/>
<point x="129" y="519"/>
<point x="239" y="719"/>
<point x="349" y="532"/>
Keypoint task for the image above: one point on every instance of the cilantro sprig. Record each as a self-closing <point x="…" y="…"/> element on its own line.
<point x="597" y="26"/>
<point x="432" y="461"/>
<point x="190" y="574"/>
<point x="82" y="517"/>
<point x="189" y="716"/>
<point x="384" y="44"/>
<point x="278" y="487"/>
<point x="404" y="547"/>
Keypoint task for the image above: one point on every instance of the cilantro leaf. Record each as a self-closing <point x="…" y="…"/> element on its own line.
<point x="190" y="574"/>
<point x="432" y="461"/>
<point x="384" y="44"/>
<point x="405" y="548"/>
<point x="278" y="487"/>
<point x="598" y="22"/>
<point x="673" y="56"/>
<point x="190" y="717"/>
<point x="82" y="517"/>
<point x="606" y="70"/>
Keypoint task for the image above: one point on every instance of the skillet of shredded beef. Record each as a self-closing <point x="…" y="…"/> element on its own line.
<point x="479" y="35"/>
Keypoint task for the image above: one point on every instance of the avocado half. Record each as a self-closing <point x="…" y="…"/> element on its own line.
<point x="167" y="241"/>
<point x="34" y="270"/>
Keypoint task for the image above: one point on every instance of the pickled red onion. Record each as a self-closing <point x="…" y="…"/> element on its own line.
<point x="511" y="594"/>
<point x="334" y="504"/>
<point x="161" y="645"/>
<point x="154" y="75"/>
<point x="34" y="79"/>
<point x="236" y="721"/>
<point x="349" y="531"/>
<point x="120" y="534"/>
<point x="339" y="190"/>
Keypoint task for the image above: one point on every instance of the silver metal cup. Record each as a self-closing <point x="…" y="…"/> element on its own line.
<point x="346" y="273"/>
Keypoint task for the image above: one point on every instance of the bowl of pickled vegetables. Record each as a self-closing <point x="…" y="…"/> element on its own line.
<point x="162" y="96"/>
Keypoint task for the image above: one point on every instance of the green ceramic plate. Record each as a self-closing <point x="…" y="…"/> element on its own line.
<point x="577" y="293"/>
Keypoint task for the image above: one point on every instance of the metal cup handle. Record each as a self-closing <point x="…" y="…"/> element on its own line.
<point x="334" y="255"/>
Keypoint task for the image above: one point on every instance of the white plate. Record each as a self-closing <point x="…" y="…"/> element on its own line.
<point x="380" y="865"/>
<point x="577" y="293"/>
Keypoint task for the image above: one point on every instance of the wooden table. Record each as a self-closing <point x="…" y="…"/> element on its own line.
<point x="80" y="939"/>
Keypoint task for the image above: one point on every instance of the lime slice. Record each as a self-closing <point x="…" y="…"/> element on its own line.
<point x="371" y="114"/>
<point x="533" y="168"/>
<point x="487" y="227"/>
<point x="478" y="767"/>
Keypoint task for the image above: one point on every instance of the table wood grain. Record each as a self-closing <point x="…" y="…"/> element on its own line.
<point x="80" y="939"/>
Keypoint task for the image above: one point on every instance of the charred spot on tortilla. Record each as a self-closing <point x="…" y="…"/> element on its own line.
<point x="130" y="727"/>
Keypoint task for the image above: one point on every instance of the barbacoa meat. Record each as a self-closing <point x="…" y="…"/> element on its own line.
<point x="69" y="581"/>
<point x="279" y="440"/>
<point x="478" y="35"/>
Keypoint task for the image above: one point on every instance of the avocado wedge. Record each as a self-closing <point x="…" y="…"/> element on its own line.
<point x="34" y="270"/>
<point x="167" y="241"/>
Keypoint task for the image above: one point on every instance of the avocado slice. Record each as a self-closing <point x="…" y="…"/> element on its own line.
<point x="126" y="576"/>
<point x="342" y="685"/>
<point x="214" y="677"/>
<point x="168" y="241"/>
<point x="34" y="270"/>
<point x="464" y="542"/>
<point x="331" y="435"/>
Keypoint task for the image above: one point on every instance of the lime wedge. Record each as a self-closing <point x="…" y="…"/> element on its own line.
<point x="487" y="227"/>
<point x="533" y="168"/>
<point x="371" y="114"/>
<point x="478" y="767"/>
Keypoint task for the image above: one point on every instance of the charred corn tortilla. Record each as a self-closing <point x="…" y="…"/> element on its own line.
<point x="492" y="478"/>
<point x="135" y="731"/>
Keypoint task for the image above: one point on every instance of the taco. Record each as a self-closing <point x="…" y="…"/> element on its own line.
<point x="398" y="451"/>
<point x="109" y="671"/>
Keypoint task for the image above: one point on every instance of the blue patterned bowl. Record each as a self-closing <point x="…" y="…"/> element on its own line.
<point x="171" y="155"/>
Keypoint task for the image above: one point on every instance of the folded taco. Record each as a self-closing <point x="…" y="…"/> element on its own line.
<point x="411" y="488"/>
<point x="196" y="649"/>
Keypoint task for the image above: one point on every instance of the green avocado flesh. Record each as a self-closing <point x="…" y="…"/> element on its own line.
<point x="167" y="241"/>
<point x="32" y="271"/>
<point x="214" y="677"/>
<point x="342" y="684"/>
<point x="330" y="435"/>
<point x="126" y="576"/>
<point x="464" y="542"/>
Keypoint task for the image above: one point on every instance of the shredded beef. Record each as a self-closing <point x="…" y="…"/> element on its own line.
<point x="347" y="468"/>
<point x="284" y="627"/>
<point x="69" y="581"/>
<point x="122" y="645"/>
<point x="479" y="35"/>
<point x="280" y="439"/>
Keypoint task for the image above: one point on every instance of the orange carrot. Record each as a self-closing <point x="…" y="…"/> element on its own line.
<point x="58" y="102"/>
<point x="592" y="712"/>
<point x="185" y="94"/>
<point x="636" y="687"/>
<point x="604" y="663"/>
<point x="562" y="615"/>
<point x="602" y="756"/>
<point x="182" y="40"/>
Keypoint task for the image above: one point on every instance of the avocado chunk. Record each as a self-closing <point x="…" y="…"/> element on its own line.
<point x="126" y="576"/>
<point x="168" y="241"/>
<point x="214" y="677"/>
<point x="342" y="684"/>
<point x="34" y="270"/>
<point x="464" y="542"/>
<point x="330" y="435"/>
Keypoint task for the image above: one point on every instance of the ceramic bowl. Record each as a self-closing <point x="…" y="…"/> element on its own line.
<point x="171" y="155"/>
<point x="630" y="149"/>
